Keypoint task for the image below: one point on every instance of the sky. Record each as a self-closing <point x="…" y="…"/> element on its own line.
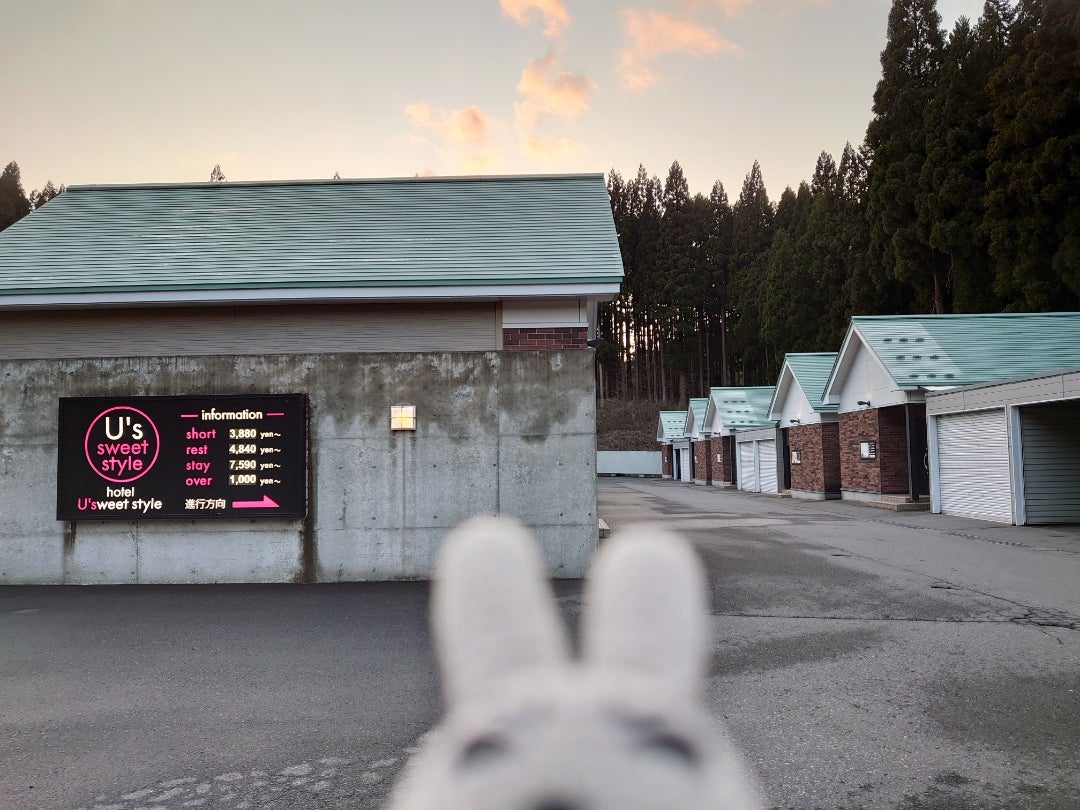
<point x="141" y="91"/>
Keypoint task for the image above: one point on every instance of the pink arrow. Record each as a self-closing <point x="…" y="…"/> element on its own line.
<point x="266" y="501"/>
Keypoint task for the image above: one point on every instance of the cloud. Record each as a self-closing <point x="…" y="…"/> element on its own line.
<point x="458" y="136"/>
<point x="653" y="34"/>
<point x="548" y="91"/>
<point x="537" y="146"/>
<point x="733" y="8"/>
<point x="553" y="13"/>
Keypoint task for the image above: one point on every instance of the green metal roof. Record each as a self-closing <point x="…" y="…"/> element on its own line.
<point x="921" y="351"/>
<point x="811" y="371"/>
<point x="399" y="233"/>
<point x="672" y="426"/>
<point x="740" y="408"/>
<point x="697" y="410"/>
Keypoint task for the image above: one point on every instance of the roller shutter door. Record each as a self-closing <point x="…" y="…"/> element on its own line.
<point x="687" y="465"/>
<point x="767" y="466"/>
<point x="684" y="464"/>
<point x="747" y="474"/>
<point x="973" y="465"/>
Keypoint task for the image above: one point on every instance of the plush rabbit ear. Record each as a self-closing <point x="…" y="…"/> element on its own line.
<point x="647" y="609"/>
<point x="492" y="611"/>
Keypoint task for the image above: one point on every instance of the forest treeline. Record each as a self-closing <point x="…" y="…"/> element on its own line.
<point x="16" y="203"/>
<point x="964" y="196"/>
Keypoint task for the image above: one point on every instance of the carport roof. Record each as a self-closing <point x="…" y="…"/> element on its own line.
<point x="929" y="351"/>
<point x="393" y="239"/>
<point x="672" y="426"/>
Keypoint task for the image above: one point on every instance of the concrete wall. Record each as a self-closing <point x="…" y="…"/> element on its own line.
<point x="629" y="462"/>
<point x="512" y="432"/>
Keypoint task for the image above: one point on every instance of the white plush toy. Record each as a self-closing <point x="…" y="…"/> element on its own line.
<point x="528" y="728"/>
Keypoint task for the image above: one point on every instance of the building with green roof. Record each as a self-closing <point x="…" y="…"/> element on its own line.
<point x="810" y="428"/>
<point x="435" y="328"/>
<point x="348" y="265"/>
<point x="730" y="409"/>
<point x="887" y="365"/>
<point x="674" y="445"/>
<point x="700" y="441"/>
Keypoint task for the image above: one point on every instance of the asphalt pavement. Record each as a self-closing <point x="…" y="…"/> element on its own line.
<point x="862" y="659"/>
<point x="872" y="659"/>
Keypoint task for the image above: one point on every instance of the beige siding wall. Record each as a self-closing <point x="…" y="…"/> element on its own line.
<point x="294" y="329"/>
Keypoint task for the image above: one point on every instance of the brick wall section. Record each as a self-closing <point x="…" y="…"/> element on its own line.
<point x="665" y="455"/>
<point x="886" y="474"/>
<point x="830" y="458"/>
<point x="892" y="450"/>
<point x="703" y="460"/>
<point x="819" y="446"/>
<point x="545" y="337"/>
<point x="856" y="472"/>
<point x="723" y="470"/>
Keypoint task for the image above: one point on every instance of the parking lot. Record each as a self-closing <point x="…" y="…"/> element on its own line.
<point x="862" y="659"/>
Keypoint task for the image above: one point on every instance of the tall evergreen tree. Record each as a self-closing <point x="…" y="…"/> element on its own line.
<point x="910" y="65"/>
<point x="48" y="192"/>
<point x="717" y="258"/>
<point x="953" y="178"/>
<point x="1033" y="202"/>
<point x="751" y="235"/>
<point x="678" y="280"/>
<point x="13" y="203"/>
<point x="790" y="308"/>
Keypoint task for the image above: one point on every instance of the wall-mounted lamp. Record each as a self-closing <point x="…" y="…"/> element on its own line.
<point x="795" y="421"/>
<point x="402" y="417"/>
<point x="865" y="402"/>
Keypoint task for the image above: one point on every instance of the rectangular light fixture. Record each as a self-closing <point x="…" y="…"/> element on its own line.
<point x="402" y="417"/>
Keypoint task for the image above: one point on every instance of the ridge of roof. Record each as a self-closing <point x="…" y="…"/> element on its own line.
<point x="345" y="181"/>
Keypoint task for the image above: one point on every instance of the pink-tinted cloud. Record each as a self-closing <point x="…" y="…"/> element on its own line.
<point x="733" y="8"/>
<point x="535" y="145"/>
<point x="653" y="34"/>
<point x="547" y="91"/>
<point x="552" y="12"/>
<point x="460" y="137"/>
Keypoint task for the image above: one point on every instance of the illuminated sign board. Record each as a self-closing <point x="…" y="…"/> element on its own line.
<point x="140" y="458"/>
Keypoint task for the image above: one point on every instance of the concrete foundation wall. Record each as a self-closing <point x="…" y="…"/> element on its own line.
<point x="509" y="432"/>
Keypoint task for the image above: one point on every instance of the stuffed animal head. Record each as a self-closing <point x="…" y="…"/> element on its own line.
<point x="529" y="728"/>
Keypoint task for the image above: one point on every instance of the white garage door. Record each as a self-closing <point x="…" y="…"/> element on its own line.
<point x="685" y="471"/>
<point x="767" y="466"/>
<point x="973" y="465"/>
<point x="747" y="474"/>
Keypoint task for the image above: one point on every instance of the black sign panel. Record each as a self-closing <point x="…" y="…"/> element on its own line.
<point x="140" y="458"/>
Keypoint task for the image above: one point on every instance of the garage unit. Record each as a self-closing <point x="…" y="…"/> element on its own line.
<point x="674" y="446"/>
<point x="1008" y="451"/>
<point x="727" y="411"/>
<point x="760" y="466"/>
